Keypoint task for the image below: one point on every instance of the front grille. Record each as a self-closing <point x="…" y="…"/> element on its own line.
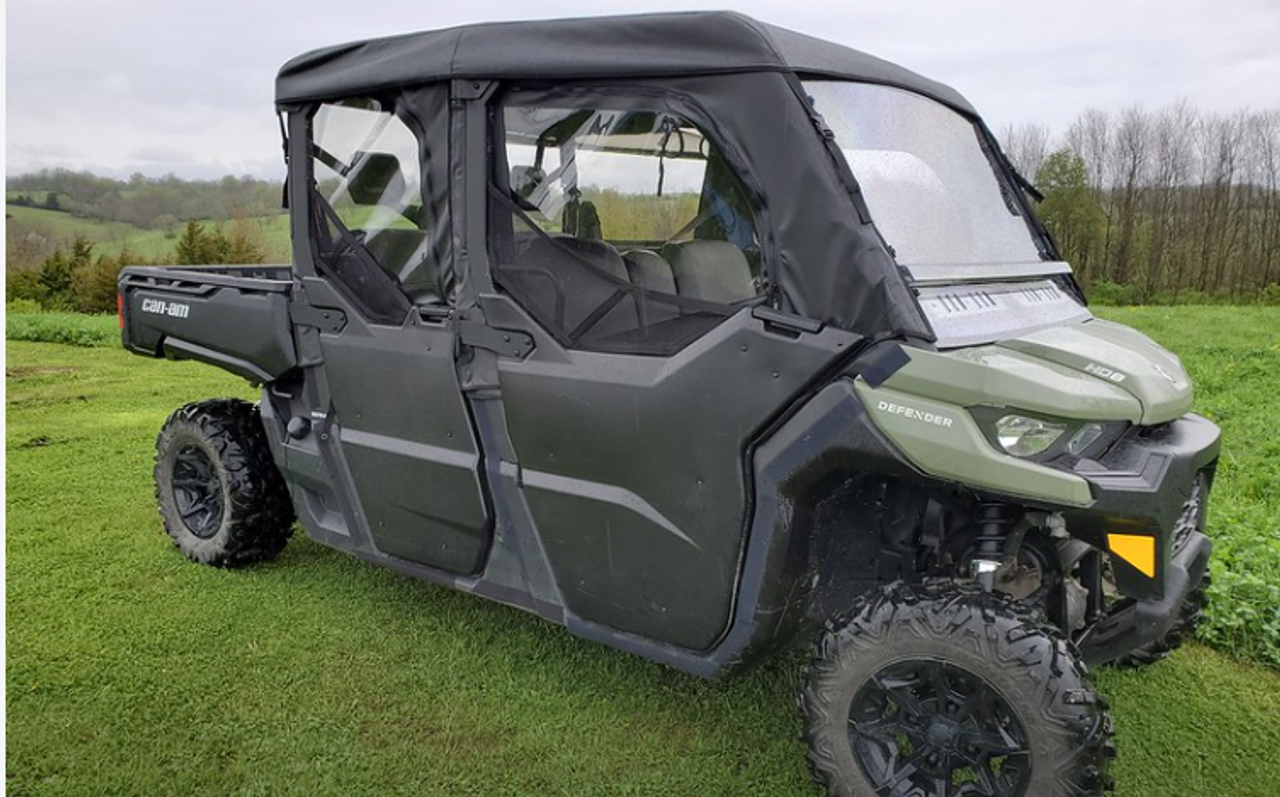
<point x="1192" y="517"/>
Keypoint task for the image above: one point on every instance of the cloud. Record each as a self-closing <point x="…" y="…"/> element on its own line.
<point x="101" y="85"/>
<point x="161" y="155"/>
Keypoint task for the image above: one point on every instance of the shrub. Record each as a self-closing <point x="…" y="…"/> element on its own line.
<point x="24" y="285"/>
<point x="71" y="280"/>
<point x="93" y="285"/>
<point x="1111" y="293"/>
<point x="22" y="306"/>
<point x="71" y="329"/>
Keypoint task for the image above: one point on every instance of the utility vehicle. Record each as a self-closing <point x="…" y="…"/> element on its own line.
<point x="704" y="339"/>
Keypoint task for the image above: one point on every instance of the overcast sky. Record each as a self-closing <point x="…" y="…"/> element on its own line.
<point x="158" y="86"/>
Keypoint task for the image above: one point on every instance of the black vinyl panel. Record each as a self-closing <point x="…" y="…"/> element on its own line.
<point x="648" y="45"/>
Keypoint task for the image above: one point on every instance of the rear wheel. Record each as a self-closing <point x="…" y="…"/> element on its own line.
<point x="943" y="691"/>
<point x="222" y="500"/>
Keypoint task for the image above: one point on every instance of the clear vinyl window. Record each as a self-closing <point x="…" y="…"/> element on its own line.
<point x="621" y="228"/>
<point x="928" y="182"/>
<point x="370" y="226"/>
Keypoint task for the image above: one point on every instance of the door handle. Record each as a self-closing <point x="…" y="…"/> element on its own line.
<point x="434" y="313"/>
<point x="788" y="324"/>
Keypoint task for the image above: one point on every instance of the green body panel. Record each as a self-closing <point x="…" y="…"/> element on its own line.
<point x="1003" y="377"/>
<point x="1092" y="371"/>
<point x="944" y="441"/>
<point x="1119" y="355"/>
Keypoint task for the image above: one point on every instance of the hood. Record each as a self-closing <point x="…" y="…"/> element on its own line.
<point x="1119" y="355"/>
<point x="1094" y="370"/>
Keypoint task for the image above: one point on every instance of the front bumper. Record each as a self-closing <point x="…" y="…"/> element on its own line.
<point x="1137" y="623"/>
<point x="1151" y="488"/>
<point x="1150" y="484"/>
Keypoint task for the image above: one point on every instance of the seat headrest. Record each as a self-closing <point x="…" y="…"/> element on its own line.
<point x="649" y="271"/>
<point x="376" y="179"/>
<point x="716" y="271"/>
<point x="599" y="253"/>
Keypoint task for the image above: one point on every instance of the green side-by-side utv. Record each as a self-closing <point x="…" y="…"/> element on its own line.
<point x="704" y="339"/>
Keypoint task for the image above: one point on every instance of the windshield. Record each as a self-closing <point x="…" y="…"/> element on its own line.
<point x="928" y="182"/>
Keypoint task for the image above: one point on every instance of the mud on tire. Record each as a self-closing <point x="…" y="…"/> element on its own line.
<point x="221" y="498"/>
<point x="939" y="689"/>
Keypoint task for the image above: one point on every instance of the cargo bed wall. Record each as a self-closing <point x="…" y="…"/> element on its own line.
<point x="235" y="318"/>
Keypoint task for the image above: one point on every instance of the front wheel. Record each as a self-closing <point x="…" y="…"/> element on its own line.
<point x="942" y="690"/>
<point x="222" y="500"/>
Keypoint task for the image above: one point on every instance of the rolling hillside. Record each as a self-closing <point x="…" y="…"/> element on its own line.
<point x="112" y="237"/>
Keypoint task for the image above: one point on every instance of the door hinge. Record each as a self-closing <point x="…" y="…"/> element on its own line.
<point x="506" y="342"/>
<point x="468" y="90"/>
<point x="325" y="319"/>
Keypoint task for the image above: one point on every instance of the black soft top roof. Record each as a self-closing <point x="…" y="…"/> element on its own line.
<point x="645" y="45"/>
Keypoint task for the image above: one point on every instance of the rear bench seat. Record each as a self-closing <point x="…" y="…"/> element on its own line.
<point x="714" y="271"/>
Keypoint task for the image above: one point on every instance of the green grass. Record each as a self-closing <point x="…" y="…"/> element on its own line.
<point x="132" y="671"/>
<point x="108" y="237"/>
<point x="61" y="224"/>
<point x="111" y="237"/>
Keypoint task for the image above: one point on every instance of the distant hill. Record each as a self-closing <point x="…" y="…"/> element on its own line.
<point x="144" y="202"/>
<point x="49" y="209"/>
<point x="33" y="233"/>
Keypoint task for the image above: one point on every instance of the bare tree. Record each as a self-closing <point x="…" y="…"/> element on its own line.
<point x="1090" y="138"/>
<point x="1171" y="167"/>
<point x="1218" y="142"/>
<point x="1189" y="200"/>
<point x="1130" y="164"/>
<point x="1027" y="146"/>
<point x="1264" y="129"/>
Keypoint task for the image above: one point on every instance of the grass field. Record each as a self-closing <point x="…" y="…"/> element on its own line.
<point x="132" y="671"/>
<point x="110" y="237"/>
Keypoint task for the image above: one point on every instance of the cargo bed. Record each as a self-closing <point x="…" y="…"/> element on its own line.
<point x="235" y="317"/>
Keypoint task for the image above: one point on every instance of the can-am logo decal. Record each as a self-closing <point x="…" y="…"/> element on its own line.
<point x="914" y="414"/>
<point x="161" y="307"/>
<point x="1103" y="372"/>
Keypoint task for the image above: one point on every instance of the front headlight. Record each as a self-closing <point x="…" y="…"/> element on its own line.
<point x="1084" y="438"/>
<point x="1026" y="437"/>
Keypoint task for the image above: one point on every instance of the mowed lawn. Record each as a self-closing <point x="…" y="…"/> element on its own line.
<point x="131" y="671"/>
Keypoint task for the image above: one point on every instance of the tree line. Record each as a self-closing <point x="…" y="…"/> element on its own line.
<point x="1166" y="205"/>
<point x="163" y="203"/>
<point x="66" y="273"/>
<point x="74" y="277"/>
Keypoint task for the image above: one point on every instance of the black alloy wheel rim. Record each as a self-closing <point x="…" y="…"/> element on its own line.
<point x="197" y="491"/>
<point x="927" y="727"/>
